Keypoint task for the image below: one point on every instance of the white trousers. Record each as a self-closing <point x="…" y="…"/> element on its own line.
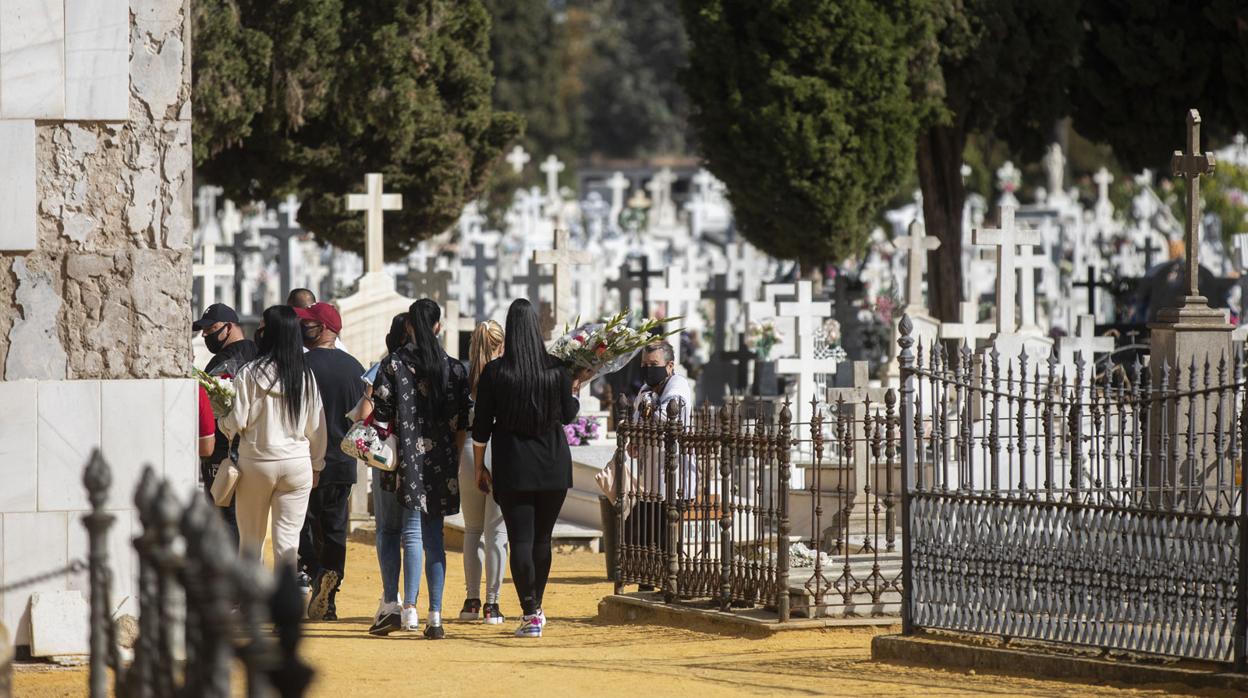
<point x="277" y="490"/>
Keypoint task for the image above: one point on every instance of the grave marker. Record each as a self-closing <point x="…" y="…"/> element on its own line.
<point x="373" y="202"/>
<point x="564" y="259"/>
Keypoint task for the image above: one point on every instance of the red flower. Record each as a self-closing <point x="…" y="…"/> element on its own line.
<point x="225" y="375"/>
<point x="602" y="349"/>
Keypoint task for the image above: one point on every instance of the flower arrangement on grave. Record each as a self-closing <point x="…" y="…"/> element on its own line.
<point x="582" y="431"/>
<point x="832" y="340"/>
<point x="595" y="348"/>
<point x="220" y="389"/>
<point x="762" y="336"/>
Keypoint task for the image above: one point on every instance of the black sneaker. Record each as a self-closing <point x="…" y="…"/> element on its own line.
<point x="491" y="615"/>
<point x="471" y="610"/>
<point x="305" y="583"/>
<point x="322" y="587"/>
<point x="434" y="632"/>
<point x="388" y="621"/>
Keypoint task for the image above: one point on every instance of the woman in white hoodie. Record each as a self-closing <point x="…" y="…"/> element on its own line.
<point x="277" y="412"/>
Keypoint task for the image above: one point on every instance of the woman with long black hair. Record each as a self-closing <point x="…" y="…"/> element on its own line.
<point x="523" y="399"/>
<point x="278" y="415"/>
<point x="421" y="395"/>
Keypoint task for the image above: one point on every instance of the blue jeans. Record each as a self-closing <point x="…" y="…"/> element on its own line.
<point x="422" y="539"/>
<point x="389" y="516"/>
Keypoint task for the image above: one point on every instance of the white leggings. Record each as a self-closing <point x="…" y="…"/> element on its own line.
<point x="485" y="535"/>
<point x="281" y="487"/>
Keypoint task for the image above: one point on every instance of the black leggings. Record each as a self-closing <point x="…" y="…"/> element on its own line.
<point x="530" y="519"/>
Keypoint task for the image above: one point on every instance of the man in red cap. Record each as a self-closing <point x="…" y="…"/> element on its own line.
<point x="323" y="544"/>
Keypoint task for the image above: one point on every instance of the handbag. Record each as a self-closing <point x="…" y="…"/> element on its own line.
<point x="372" y="443"/>
<point x="606" y="482"/>
<point x="224" y="482"/>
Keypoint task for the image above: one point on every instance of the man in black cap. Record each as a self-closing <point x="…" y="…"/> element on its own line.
<point x="223" y="336"/>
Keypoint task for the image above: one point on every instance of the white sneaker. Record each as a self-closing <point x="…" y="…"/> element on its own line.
<point x="411" y="619"/>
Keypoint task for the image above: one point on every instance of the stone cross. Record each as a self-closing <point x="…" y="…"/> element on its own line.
<point x="231" y="222"/>
<point x="532" y="280"/>
<point x="480" y="264"/>
<point x="284" y="229"/>
<point x="563" y="258"/>
<point x="208" y="270"/>
<point x="551" y="167"/>
<point x="970" y="329"/>
<point x="618" y="184"/>
<point x="1006" y="239"/>
<point x="434" y="285"/>
<point x="1150" y="249"/>
<point x="1092" y="283"/>
<point x="1084" y="343"/>
<point x="643" y="274"/>
<point x="1191" y="166"/>
<point x="1104" y="209"/>
<point x="624" y="284"/>
<point x="1027" y="263"/>
<point x="518" y="158"/>
<point x="918" y="245"/>
<point x="373" y="202"/>
<point x="206" y="206"/>
<point x="681" y="297"/>
<point x="720" y="295"/>
<point x="809" y="316"/>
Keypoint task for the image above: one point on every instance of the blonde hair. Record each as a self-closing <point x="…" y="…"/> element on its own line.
<point x="487" y="338"/>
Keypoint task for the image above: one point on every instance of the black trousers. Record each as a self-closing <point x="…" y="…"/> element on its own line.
<point x="530" y="519"/>
<point x="323" y="541"/>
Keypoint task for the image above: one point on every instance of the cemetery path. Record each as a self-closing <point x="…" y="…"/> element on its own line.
<point x="581" y="655"/>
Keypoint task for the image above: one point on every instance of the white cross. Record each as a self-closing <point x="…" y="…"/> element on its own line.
<point x="206" y="203"/>
<point x="453" y="322"/>
<point x="563" y="259"/>
<point x="551" y="167"/>
<point x="682" y="299"/>
<point x="918" y="244"/>
<point x="231" y="222"/>
<point x="703" y="180"/>
<point x="291" y="207"/>
<point x="618" y="184"/>
<point x="1084" y="343"/>
<point x="208" y="270"/>
<point x="373" y="202"/>
<point x="805" y="366"/>
<point x="1027" y="263"/>
<point x="969" y="330"/>
<point x="1104" y="209"/>
<point x="1005" y="239"/>
<point x="518" y="158"/>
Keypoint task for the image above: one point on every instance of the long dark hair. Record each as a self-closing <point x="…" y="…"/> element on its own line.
<point x="430" y="360"/>
<point x="281" y="346"/>
<point x="397" y="336"/>
<point x="528" y="375"/>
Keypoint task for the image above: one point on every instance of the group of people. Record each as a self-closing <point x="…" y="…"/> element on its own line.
<point x="484" y="437"/>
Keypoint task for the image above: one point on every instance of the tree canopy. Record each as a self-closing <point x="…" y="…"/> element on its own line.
<point x="805" y="111"/>
<point x="402" y="88"/>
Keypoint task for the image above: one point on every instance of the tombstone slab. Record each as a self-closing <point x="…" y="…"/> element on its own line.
<point x="58" y="623"/>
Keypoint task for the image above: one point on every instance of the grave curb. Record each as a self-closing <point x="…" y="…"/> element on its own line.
<point x="941" y="652"/>
<point x="648" y="608"/>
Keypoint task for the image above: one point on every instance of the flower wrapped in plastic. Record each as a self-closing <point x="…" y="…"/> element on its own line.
<point x="596" y="348"/>
<point x="220" y="389"/>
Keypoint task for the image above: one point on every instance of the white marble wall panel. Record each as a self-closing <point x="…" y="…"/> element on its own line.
<point x="69" y="428"/>
<point x="181" y="457"/>
<point x="97" y="60"/>
<point x="19" y="454"/>
<point x="33" y="544"/>
<point x="17" y="185"/>
<point x="131" y="427"/>
<point x="32" y="59"/>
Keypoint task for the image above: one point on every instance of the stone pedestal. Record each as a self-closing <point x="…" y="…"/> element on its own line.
<point x="366" y="316"/>
<point x="1194" y="333"/>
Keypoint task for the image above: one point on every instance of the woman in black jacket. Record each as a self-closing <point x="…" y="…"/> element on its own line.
<point x="523" y="400"/>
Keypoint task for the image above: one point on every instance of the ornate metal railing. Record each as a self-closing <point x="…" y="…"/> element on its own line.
<point x="1054" y="504"/>
<point x="190" y="579"/>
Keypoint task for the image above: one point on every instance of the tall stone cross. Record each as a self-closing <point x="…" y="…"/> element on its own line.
<point x="1191" y="166"/>
<point x="208" y="270"/>
<point x="1006" y="239"/>
<point x="682" y="300"/>
<point x="532" y="280"/>
<point x="373" y="202"/>
<point x="721" y="295"/>
<point x="434" y="284"/>
<point x="970" y="329"/>
<point x="809" y="316"/>
<point x="563" y="258"/>
<point x="206" y="207"/>
<point x="1150" y="249"/>
<point x="480" y="264"/>
<point x="551" y="167"/>
<point x="283" y="229"/>
<point x="618" y="184"/>
<point x="1027" y="263"/>
<point x="518" y="158"/>
<point x="625" y="284"/>
<point x="1084" y="343"/>
<point x="918" y="244"/>
<point x="1104" y="209"/>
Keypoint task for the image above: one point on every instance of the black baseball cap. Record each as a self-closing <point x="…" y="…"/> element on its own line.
<point x="217" y="312"/>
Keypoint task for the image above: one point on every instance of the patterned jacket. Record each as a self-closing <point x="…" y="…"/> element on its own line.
<point x="428" y="472"/>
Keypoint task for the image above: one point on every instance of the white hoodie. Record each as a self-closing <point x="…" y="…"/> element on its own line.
<point x="259" y="416"/>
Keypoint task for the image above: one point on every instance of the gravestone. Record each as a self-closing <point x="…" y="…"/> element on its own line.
<point x="1006" y="240"/>
<point x="284" y="228"/>
<point x="969" y="331"/>
<point x="564" y="259"/>
<point x="719" y="371"/>
<point x="480" y="263"/>
<point x="518" y="158"/>
<point x="1084" y="343"/>
<point x="809" y="316"/>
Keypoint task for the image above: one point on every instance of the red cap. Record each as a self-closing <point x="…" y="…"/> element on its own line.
<point x="323" y="313"/>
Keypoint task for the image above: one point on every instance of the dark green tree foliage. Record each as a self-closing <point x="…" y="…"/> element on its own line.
<point x="524" y="48"/>
<point x="804" y="109"/>
<point x="401" y="88"/>
<point x="231" y="65"/>
<point x="1146" y="62"/>
<point x="1002" y="67"/>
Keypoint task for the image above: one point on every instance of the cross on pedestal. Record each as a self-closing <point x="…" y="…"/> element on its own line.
<point x="1191" y="166"/>
<point x="479" y="263"/>
<point x="551" y="167"/>
<point x="1104" y="209"/>
<point x="1084" y="343"/>
<point x="970" y="329"/>
<point x="373" y="202"/>
<point x="618" y="184"/>
<point x="1028" y="263"/>
<point x="810" y="316"/>
<point x="564" y="259"/>
<point x="518" y="158"/>
<point x="721" y="295"/>
<point x="918" y="245"/>
<point x="284" y="229"/>
<point x="208" y="269"/>
<point x="1005" y="239"/>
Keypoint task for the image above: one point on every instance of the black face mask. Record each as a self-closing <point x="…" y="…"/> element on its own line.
<point x="654" y="375"/>
<point x="216" y="342"/>
<point x="311" y="334"/>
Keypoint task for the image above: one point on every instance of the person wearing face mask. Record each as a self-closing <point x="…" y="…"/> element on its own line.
<point x="323" y="543"/>
<point x="231" y="350"/>
<point x="646" y="524"/>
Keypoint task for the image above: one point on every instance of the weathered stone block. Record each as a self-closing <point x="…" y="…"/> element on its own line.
<point x="35" y="349"/>
<point x="59" y="623"/>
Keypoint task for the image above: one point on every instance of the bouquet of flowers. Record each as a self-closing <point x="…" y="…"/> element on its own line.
<point x="220" y="392"/>
<point x="762" y="337"/>
<point x="582" y="431"/>
<point x="595" y="348"/>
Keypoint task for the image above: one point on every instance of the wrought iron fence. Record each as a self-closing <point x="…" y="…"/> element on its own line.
<point x="190" y="580"/>
<point x="741" y="506"/>
<point x="1049" y="503"/>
